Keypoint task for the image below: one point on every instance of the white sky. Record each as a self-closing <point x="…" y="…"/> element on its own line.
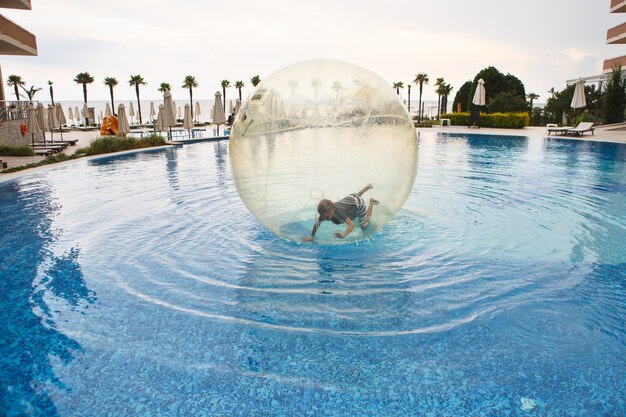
<point x="542" y="42"/>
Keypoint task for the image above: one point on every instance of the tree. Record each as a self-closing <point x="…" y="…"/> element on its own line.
<point x="15" y="81"/>
<point x="137" y="80"/>
<point x="560" y="103"/>
<point x="464" y="97"/>
<point x="398" y="85"/>
<point x="614" y="97"/>
<point x="225" y="84"/>
<point x="51" y="92"/>
<point x="506" y="102"/>
<point x="439" y="91"/>
<point x="239" y="85"/>
<point x="255" y="80"/>
<point x="189" y="83"/>
<point x="420" y="79"/>
<point x="495" y="83"/>
<point x="445" y="90"/>
<point x="165" y="87"/>
<point x="111" y="82"/>
<point x="531" y="97"/>
<point x="83" y="78"/>
<point x="30" y="93"/>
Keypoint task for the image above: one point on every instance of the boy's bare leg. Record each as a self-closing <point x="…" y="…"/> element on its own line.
<point x="368" y="213"/>
<point x="365" y="189"/>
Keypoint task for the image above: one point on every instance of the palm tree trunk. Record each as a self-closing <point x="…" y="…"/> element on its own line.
<point x="419" y="118"/>
<point x="17" y="93"/>
<point x="138" y="103"/>
<point x="52" y="95"/>
<point x="112" y="101"/>
<point x="224" y="99"/>
<point x="191" y="101"/>
<point x="438" y="106"/>
<point x="239" y="93"/>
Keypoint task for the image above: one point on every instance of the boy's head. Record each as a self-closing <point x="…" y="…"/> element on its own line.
<point x="326" y="209"/>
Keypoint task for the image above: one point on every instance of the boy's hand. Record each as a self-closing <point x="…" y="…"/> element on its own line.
<point x="338" y="235"/>
<point x="308" y="239"/>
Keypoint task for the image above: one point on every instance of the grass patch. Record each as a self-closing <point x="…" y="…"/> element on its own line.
<point x="16" y="150"/>
<point x="102" y="145"/>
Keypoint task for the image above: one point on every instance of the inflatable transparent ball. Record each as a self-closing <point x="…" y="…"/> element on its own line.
<point x="322" y="130"/>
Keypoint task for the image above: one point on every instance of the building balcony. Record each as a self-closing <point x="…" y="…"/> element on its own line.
<point x="15" y="40"/>
<point x="616" y="34"/>
<point x="618" y="6"/>
<point x="610" y="63"/>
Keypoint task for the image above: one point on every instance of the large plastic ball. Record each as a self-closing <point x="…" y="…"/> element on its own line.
<point x="321" y="130"/>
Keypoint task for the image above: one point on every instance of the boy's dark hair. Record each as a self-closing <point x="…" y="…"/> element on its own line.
<point x="325" y="206"/>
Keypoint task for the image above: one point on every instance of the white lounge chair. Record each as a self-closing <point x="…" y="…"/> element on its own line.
<point x="581" y="128"/>
<point x="561" y="130"/>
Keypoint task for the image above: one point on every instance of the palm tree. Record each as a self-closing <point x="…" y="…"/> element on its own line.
<point x="409" y="98"/>
<point x="30" y="93"/>
<point x="420" y="79"/>
<point x="398" y="86"/>
<point x="83" y="78"/>
<point x="446" y="89"/>
<point x="438" y="84"/>
<point x="165" y="87"/>
<point x="532" y="97"/>
<point x="239" y="85"/>
<point x="111" y="82"/>
<point x="137" y="80"/>
<point x="51" y="92"/>
<point x="225" y="85"/>
<point x="15" y="81"/>
<point x="190" y="82"/>
<point x="255" y="80"/>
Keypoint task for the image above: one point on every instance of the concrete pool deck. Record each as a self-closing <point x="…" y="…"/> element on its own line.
<point x="614" y="133"/>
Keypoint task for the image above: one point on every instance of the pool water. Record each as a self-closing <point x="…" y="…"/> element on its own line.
<point x="139" y="285"/>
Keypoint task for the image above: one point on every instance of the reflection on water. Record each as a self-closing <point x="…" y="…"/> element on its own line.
<point x="30" y="340"/>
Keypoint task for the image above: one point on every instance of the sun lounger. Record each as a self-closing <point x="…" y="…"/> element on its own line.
<point x="581" y="128"/>
<point x="70" y="142"/>
<point x="559" y="130"/>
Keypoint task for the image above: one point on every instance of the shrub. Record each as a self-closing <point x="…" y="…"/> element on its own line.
<point x="109" y="144"/>
<point x="496" y="120"/>
<point x="16" y="150"/>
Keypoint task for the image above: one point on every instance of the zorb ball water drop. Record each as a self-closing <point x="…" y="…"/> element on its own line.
<point x="322" y="130"/>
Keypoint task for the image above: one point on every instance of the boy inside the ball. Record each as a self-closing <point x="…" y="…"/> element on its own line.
<point x="345" y="211"/>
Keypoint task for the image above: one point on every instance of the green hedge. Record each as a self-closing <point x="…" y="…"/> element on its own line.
<point x="498" y="120"/>
<point x="16" y="150"/>
<point x="109" y="144"/>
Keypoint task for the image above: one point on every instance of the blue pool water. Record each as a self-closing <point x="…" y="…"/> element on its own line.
<point x="140" y="286"/>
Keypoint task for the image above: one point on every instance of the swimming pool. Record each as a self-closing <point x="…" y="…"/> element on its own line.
<point x="140" y="285"/>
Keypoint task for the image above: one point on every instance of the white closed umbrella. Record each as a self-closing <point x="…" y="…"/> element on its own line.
<point x="31" y="122"/>
<point x="42" y="120"/>
<point x="152" y="112"/>
<point x="579" y="101"/>
<point x="131" y="111"/>
<point x="77" y="115"/>
<point x="179" y="114"/>
<point x="479" y="94"/>
<point x="107" y="110"/>
<point x="60" y="118"/>
<point x="70" y="113"/>
<point x="218" y="111"/>
<point x="86" y="114"/>
<point x="196" y="111"/>
<point x="122" y="121"/>
<point x="53" y="122"/>
<point x="237" y="106"/>
<point x="160" y="125"/>
<point x="169" y="119"/>
<point x="230" y="107"/>
<point x="174" y="108"/>
<point x="187" y="122"/>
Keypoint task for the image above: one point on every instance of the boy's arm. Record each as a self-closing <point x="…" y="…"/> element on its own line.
<point x="350" y="224"/>
<point x="315" y="226"/>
